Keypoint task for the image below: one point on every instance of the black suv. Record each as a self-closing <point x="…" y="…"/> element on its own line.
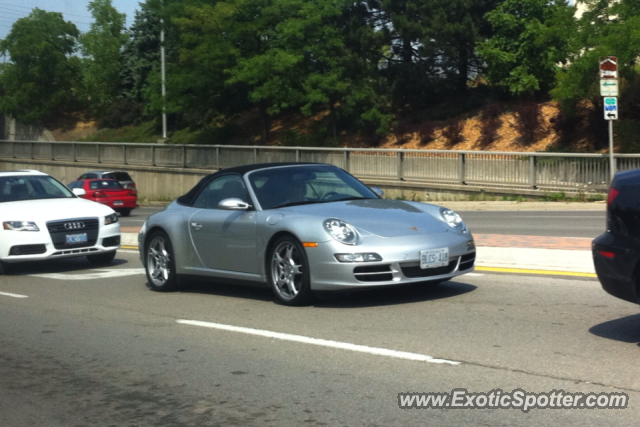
<point x="616" y="253"/>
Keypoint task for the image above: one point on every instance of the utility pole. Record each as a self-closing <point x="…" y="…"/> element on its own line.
<point x="164" y="79"/>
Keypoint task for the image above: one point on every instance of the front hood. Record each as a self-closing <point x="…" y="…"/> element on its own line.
<point x="381" y="217"/>
<point x="52" y="209"/>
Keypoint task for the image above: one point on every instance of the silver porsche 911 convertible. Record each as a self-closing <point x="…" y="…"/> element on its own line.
<point x="301" y="228"/>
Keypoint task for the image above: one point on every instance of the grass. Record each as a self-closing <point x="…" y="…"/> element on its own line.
<point x="581" y="197"/>
<point x="145" y="133"/>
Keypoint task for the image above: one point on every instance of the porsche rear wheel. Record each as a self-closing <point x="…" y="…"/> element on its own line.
<point x="289" y="272"/>
<point x="160" y="264"/>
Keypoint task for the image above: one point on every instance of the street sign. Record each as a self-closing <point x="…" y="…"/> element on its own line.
<point x="608" y="67"/>
<point x="608" y="87"/>
<point x="611" y="108"/>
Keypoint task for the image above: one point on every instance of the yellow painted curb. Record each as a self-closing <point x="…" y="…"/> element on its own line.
<point x="128" y="247"/>
<point x="526" y="271"/>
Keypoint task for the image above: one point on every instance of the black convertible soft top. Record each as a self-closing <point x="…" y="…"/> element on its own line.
<point x="188" y="198"/>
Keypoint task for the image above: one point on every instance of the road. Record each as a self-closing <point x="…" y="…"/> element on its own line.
<point x="95" y="347"/>
<point x="567" y="223"/>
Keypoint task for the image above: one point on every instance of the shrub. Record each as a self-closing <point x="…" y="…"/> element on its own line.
<point x="401" y="132"/>
<point x="597" y="126"/>
<point x="490" y="122"/>
<point x="426" y="132"/>
<point x="452" y="132"/>
<point x="120" y="113"/>
<point x="528" y="122"/>
<point x="565" y="126"/>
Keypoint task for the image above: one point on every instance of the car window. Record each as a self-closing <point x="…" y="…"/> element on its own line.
<point x="104" y="184"/>
<point x="121" y="176"/>
<point x="224" y="187"/>
<point x="32" y="187"/>
<point x="76" y="184"/>
<point x="305" y="184"/>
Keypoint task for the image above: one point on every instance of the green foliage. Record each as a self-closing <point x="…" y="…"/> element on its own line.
<point x="102" y="46"/>
<point x="513" y="198"/>
<point x="531" y="37"/>
<point x="554" y="197"/>
<point x="42" y="77"/>
<point x="318" y="136"/>
<point x="146" y="132"/>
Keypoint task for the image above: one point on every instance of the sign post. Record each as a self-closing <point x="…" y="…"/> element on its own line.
<point x="609" y="90"/>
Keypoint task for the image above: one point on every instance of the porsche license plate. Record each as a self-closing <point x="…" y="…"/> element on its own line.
<point x="74" y="239"/>
<point x="433" y="258"/>
<point x="117" y="203"/>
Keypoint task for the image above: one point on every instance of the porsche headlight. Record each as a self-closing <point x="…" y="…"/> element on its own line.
<point x="453" y="220"/>
<point x="110" y="219"/>
<point x="341" y="231"/>
<point x="20" y="226"/>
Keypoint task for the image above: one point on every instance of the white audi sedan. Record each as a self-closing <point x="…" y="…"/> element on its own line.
<point x="42" y="219"/>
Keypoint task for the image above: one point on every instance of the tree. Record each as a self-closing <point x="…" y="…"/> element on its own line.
<point x="280" y="53"/>
<point x="531" y="38"/>
<point x="605" y="29"/>
<point x="43" y="74"/>
<point x="102" y="47"/>
<point x="454" y="28"/>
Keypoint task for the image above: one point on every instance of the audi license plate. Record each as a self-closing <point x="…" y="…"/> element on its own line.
<point x="433" y="258"/>
<point x="74" y="239"/>
<point x="117" y="203"/>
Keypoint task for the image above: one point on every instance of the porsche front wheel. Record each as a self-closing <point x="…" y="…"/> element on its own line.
<point x="289" y="272"/>
<point x="160" y="264"/>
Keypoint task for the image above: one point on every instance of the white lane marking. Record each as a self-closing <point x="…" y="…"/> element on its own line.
<point x="474" y="274"/>
<point x="94" y="274"/>
<point x="126" y="251"/>
<point x="321" y="342"/>
<point x="13" y="295"/>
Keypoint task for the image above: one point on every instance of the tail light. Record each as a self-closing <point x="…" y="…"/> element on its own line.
<point x="613" y="193"/>
<point x="98" y="194"/>
<point x="131" y="193"/>
<point x="133" y="184"/>
<point x="607" y="254"/>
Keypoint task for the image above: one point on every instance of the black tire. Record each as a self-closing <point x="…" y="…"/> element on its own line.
<point x="125" y="212"/>
<point x="103" y="258"/>
<point x="160" y="264"/>
<point x="289" y="273"/>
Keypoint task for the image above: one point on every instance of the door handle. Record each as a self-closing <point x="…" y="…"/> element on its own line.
<point x="195" y="226"/>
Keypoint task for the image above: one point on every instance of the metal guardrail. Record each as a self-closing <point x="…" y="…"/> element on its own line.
<point x="578" y="172"/>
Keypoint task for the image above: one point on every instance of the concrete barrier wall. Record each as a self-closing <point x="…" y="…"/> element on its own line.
<point x="154" y="184"/>
<point x="166" y="184"/>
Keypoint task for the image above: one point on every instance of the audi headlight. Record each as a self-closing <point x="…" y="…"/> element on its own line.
<point x="110" y="219"/>
<point x="20" y="226"/>
<point x="453" y="220"/>
<point x="341" y="231"/>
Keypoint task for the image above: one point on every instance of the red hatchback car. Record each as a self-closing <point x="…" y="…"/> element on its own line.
<point x="108" y="192"/>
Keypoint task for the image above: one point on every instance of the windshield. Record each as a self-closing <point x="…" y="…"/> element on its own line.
<point x="296" y="185"/>
<point x="32" y="187"/>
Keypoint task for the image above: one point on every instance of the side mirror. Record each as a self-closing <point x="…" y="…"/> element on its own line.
<point x="377" y="190"/>
<point x="233" y="204"/>
<point x="79" y="192"/>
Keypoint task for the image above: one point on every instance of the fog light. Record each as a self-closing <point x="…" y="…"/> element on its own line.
<point x="358" y="257"/>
